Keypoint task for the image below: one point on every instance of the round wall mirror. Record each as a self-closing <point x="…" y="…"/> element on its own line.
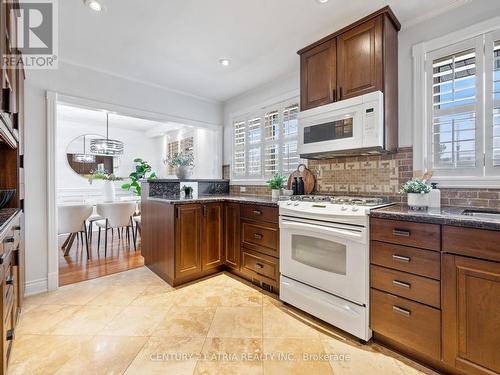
<point x="83" y="162"/>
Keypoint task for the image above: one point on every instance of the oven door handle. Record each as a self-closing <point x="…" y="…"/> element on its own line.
<point x="340" y="232"/>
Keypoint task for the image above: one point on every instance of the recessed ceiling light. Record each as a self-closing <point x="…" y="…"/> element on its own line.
<point x="225" y="62"/>
<point x="94" y="5"/>
<point x="322" y="1"/>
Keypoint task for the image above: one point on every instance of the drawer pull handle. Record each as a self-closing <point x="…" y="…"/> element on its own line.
<point x="9" y="240"/>
<point x="10" y="335"/>
<point x="401" y="311"/>
<point x="401" y="232"/>
<point x="259" y="265"/>
<point x="258" y="236"/>
<point x="257" y="212"/>
<point x="401" y="258"/>
<point x="9" y="280"/>
<point x="17" y="228"/>
<point x="401" y="284"/>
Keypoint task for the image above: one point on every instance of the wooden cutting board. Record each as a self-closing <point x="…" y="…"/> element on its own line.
<point x="306" y="175"/>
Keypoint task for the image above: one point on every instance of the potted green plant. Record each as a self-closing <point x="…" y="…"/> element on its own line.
<point x="276" y="183"/>
<point x="183" y="163"/>
<point x="109" y="186"/>
<point x="142" y="171"/>
<point x="418" y="193"/>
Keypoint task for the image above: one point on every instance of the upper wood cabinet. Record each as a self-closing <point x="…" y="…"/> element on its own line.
<point x="471" y="314"/>
<point x="212" y="235"/>
<point x="359" y="59"/>
<point x="356" y="60"/>
<point x="318" y="76"/>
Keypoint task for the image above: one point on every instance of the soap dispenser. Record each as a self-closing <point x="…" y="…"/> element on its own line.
<point x="435" y="196"/>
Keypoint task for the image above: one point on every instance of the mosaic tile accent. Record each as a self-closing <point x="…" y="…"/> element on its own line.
<point x="164" y="189"/>
<point x="213" y="187"/>
<point x="379" y="175"/>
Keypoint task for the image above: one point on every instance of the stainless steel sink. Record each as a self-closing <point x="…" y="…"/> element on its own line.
<point x="482" y="214"/>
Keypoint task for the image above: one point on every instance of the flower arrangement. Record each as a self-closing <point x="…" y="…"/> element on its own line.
<point x="276" y="182"/>
<point x="181" y="159"/>
<point x="415" y="186"/>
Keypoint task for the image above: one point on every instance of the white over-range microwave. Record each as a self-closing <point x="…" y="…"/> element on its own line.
<point x="351" y="126"/>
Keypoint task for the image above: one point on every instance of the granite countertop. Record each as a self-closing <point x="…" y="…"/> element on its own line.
<point x="446" y="215"/>
<point x="250" y="199"/>
<point x="5" y="215"/>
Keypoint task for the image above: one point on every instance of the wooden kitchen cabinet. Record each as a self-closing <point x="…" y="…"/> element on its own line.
<point x="359" y="59"/>
<point x="356" y="60"/>
<point x="318" y="75"/>
<point x="232" y="235"/>
<point x="471" y="314"/>
<point x="212" y="245"/>
<point x="188" y="231"/>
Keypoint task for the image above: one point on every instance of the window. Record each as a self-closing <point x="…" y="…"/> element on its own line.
<point x="462" y="109"/>
<point x="265" y="143"/>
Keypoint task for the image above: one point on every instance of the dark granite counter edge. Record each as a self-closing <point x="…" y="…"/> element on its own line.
<point x="455" y="219"/>
<point x="6" y="215"/>
<point x="225" y="198"/>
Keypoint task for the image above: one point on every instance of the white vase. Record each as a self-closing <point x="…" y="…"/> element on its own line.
<point x="418" y="201"/>
<point x="109" y="191"/>
<point x="275" y="194"/>
<point x="183" y="172"/>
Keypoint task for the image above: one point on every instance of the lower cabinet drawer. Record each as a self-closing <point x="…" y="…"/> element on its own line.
<point x="409" y="323"/>
<point x="261" y="237"/>
<point x="260" y="264"/>
<point x="417" y="288"/>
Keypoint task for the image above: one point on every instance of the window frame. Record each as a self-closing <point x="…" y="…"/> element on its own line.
<point x="260" y="112"/>
<point x="422" y="54"/>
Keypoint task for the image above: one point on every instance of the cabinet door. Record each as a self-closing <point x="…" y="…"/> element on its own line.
<point x="232" y="235"/>
<point x="471" y="314"/>
<point x="187" y="240"/>
<point x="318" y="75"/>
<point x="359" y="59"/>
<point x="212" y="235"/>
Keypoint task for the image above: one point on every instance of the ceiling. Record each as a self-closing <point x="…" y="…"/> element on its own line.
<point x="177" y="44"/>
<point x="84" y="116"/>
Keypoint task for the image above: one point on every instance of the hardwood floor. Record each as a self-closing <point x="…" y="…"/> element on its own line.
<point x="75" y="267"/>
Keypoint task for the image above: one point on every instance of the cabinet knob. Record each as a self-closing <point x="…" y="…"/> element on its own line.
<point x="257" y="236"/>
<point x="9" y="280"/>
<point x="259" y="265"/>
<point x="257" y="212"/>
<point x="10" y="335"/>
<point x="17" y="228"/>
<point x="8" y="240"/>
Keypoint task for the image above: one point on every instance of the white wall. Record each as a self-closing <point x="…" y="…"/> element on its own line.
<point x="474" y="12"/>
<point x="88" y="84"/>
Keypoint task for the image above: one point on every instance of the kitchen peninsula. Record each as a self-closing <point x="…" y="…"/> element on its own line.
<point x="187" y="239"/>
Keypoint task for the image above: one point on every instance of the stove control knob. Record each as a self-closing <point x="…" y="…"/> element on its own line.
<point x="354" y="209"/>
<point x="289" y="203"/>
<point x="343" y="208"/>
<point x="296" y="204"/>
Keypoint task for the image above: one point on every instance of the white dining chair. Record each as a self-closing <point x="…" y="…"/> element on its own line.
<point x="115" y="216"/>
<point x="71" y="220"/>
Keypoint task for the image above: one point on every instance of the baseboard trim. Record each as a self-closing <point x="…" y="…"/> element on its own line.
<point x="36" y="287"/>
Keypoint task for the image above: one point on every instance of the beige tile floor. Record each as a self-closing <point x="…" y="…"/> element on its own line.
<point x="134" y="323"/>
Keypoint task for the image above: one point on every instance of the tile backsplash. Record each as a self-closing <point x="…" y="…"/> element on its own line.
<point x="378" y="175"/>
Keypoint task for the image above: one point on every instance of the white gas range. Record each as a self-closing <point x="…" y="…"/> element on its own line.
<point x="324" y="259"/>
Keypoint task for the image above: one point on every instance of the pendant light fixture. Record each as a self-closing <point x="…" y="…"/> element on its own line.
<point x="109" y="147"/>
<point x="84" y="158"/>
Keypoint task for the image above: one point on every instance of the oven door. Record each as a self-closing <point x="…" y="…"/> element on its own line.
<point x="328" y="256"/>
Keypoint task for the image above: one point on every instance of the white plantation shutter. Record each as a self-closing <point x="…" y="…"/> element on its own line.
<point x="455" y="103"/>
<point x="239" y="145"/>
<point x="265" y="143"/>
<point x="492" y="131"/>
<point x="290" y="156"/>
